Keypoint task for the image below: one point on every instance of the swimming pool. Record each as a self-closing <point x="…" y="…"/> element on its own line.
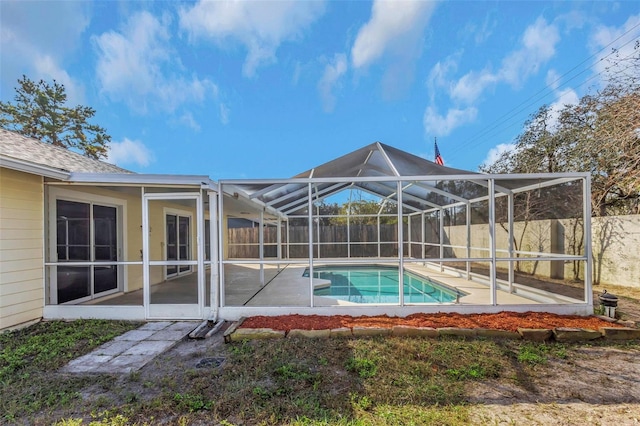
<point x="379" y="284"/>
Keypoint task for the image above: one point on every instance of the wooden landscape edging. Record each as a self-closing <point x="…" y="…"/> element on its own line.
<point x="559" y="334"/>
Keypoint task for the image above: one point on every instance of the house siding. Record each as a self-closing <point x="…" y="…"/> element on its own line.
<point x="21" y="247"/>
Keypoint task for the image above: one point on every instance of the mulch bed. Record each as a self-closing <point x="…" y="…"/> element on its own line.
<point x="510" y="321"/>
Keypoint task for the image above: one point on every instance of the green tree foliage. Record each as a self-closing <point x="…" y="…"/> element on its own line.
<point x="40" y="112"/>
<point x="360" y="211"/>
<point x="606" y="129"/>
<point x="365" y="212"/>
<point x="599" y="135"/>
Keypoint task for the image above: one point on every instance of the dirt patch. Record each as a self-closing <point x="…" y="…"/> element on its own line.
<point x="509" y="321"/>
<point x="556" y="414"/>
<point x="592" y="375"/>
<point x="592" y="385"/>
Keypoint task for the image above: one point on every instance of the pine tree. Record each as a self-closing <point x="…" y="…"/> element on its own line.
<point x="40" y="112"/>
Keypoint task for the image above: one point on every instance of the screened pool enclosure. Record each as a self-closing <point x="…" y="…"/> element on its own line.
<point x="497" y="242"/>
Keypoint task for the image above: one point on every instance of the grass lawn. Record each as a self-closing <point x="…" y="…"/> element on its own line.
<point x="377" y="381"/>
<point x="30" y="357"/>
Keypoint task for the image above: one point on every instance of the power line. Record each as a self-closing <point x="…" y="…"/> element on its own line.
<point x="515" y="118"/>
<point x="548" y="89"/>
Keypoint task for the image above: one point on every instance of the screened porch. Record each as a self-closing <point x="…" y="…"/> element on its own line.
<point x="496" y="242"/>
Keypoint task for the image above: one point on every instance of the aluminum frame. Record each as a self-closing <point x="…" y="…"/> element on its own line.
<point x="494" y="183"/>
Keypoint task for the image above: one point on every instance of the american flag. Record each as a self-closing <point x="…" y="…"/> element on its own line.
<point x="438" y="159"/>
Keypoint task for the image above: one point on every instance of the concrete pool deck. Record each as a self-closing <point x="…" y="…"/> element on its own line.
<point x="288" y="287"/>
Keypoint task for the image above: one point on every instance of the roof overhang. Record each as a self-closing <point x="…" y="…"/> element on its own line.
<point x="201" y="181"/>
<point x="33" y="168"/>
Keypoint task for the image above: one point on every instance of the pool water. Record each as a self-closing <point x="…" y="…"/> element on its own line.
<point x="376" y="284"/>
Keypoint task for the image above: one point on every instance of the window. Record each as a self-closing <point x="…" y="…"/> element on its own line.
<point x="85" y="232"/>
<point x="178" y="242"/>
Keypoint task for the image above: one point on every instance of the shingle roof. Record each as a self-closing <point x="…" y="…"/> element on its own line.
<point x="23" y="148"/>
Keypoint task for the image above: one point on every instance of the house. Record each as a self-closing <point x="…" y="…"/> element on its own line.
<point x="81" y="238"/>
<point x="72" y="235"/>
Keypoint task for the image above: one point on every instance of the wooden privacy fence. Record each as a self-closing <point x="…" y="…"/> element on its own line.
<point x="616" y="259"/>
<point x="356" y="240"/>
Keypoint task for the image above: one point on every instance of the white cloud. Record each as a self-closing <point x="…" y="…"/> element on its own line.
<point x="622" y="39"/>
<point x="479" y="33"/>
<point x="28" y="47"/>
<point x="134" y="67"/>
<point x="224" y="113"/>
<point x="439" y="75"/>
<point x="553" y="79"/>
<point x="496" y="152"/>
<point x="442" y="125"/>
<point x="488" y="26"/>
<point x="329" y="82"/>
<point x="538" y="47"/>
<point x="296" y="73"/>
<point x="563" y="98"/>
<point x="260" y="26"/>
<point x="48" y="69"/>
<point x="129" y="152"/>
<point x="188" y="120"/>
<point x="395" y="27"/>
<point x="472" y="85"/>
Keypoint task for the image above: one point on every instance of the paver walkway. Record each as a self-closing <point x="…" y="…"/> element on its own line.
<point x="132" y="350"/>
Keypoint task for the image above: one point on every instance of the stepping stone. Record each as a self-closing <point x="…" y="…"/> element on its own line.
<point x="149" y="348"/>
<point x="88" y="363"/>
<point x="115" y="347"/>
<point x="135" y="335"/>
<point x="168" y="335"/>
<point x="158" y="325"/>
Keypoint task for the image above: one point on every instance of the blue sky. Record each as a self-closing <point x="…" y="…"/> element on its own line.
<point x="261" y="89"/>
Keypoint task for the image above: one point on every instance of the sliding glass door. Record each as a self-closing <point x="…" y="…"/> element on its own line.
<point x="178" y="243"/>
<point x="85" y="232"/>
<point x="173" y="259"/>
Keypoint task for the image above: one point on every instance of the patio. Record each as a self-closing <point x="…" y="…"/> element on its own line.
<point x="288" y="287"/>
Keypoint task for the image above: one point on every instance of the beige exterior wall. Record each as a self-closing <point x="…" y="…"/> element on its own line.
<point x="21" y="247"/>
<point x="616" y="250"/>
<point x="535" y="236"/>
<point x="615" y="239"/>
